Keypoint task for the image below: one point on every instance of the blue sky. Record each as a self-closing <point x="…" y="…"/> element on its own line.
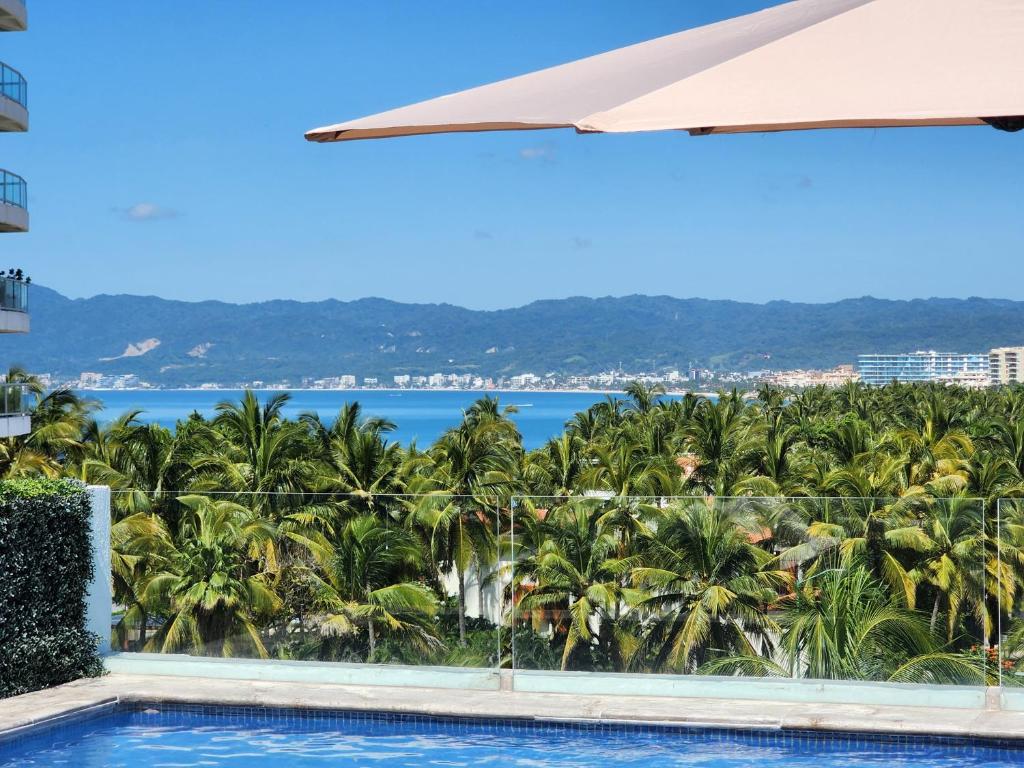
<point x="166" y="157"/>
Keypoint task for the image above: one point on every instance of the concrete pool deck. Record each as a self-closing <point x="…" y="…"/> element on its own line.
<point x="23" y="712"/>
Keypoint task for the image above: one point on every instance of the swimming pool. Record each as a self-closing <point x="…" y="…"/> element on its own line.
<point x="177" y="736"/>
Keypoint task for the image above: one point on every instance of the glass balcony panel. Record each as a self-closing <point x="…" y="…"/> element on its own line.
<point x="16" y="399"/>
<point x="13" y="189"/>
<point x="13" y="294"/>
<point x="13" y="85"/>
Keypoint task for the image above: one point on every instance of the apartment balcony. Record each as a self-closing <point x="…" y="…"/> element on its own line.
<point x="13" y="99"/>
<point x="13" y="202"/>
<point x="13" y="305"/>
<point x="13" y="16"/>
<point x="16" y="402"/>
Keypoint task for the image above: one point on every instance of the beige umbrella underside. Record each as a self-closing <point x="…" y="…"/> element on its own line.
<point x="804" y="64"/>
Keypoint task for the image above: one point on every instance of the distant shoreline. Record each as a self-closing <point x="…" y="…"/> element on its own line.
<point x="566" y="391"/>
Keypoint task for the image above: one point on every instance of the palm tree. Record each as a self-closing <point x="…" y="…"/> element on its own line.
<point x="475" y="465"/>
<point x="369" y="583"/>
<point x="720" y="439"/>
<point x="556" y="469"/>
<point x="58" y="418"/>
<point x="358" y="470"/>
<point x="572" y="576"/>
<point x="623" y="468"/>
<point x="139" y="543"/>
<point x="843" y="625"/>
<point x="954" y="564"/>
<point x="145" y="465"/>
<point x="874" y="533"/>
<point x="643" y="398"/>
<point x="709" y="587"/>
<point x="213" y="585"/>
<point x="259" y="456"/>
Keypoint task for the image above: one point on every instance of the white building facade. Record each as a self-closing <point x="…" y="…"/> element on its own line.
<point x="15" y="398"/>
<point x="968" y="369"/>
<point x="1006" y="365"/>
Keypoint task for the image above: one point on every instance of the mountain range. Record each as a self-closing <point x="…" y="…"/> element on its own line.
<point x="176" y="343"/>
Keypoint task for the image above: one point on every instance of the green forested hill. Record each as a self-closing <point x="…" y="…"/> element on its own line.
<point x="220" y="342"/>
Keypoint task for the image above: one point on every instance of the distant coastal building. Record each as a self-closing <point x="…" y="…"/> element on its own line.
<point x="800" y="379"/>
<point x="1006" y="365"/>
<point x="14" y="397"/>
<point x="525" y="380"/>
<point x="971" y="370"/>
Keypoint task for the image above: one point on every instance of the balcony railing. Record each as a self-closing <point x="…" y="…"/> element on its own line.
<point x="13" y="86"/>
<point x="13" y="189"/>
<point x="13" y="294"/>
<point x="16" y="399"/>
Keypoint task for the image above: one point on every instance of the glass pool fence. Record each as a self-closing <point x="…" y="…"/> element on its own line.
<point x="909" y="590"/>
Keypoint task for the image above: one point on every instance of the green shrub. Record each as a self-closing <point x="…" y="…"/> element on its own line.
<point x="45" y="569"/>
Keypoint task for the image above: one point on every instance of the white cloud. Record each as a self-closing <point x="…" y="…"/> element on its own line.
<point x="545" y="151"/>
<point x="147" y="212"/>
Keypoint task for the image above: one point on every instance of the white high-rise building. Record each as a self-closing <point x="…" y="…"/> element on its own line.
<point x="946" y="367"/>
<point x="1006" y="365"/>
<point x="14" y="398"/>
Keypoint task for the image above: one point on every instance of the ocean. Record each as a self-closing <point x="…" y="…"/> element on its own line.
<point x="420" y="415"/>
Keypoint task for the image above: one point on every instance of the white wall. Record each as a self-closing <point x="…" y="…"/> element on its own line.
<point x="15" y="425"/>
<point x="12" y="321"/>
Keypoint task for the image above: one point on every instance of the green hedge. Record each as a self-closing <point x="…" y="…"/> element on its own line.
<point x="45" y="569"/>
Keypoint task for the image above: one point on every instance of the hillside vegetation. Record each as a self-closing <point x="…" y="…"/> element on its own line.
<point x="181" y="343"/>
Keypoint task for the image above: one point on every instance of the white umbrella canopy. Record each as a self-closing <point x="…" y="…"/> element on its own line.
<point x="800" y="65"/>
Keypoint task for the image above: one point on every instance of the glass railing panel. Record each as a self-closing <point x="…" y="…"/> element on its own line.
<point x="13" y="294"/>
<point x="13" y="189"/>
<point x="364" y="579"/>
<point x="883" y="590"/>
<point x="13" y="85"/>
<point x="1006" y="575"/>
<point x="844" y="589"/>
<point x="16" y="399"/>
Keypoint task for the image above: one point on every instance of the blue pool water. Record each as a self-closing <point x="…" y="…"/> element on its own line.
<point x="183" y="736"/>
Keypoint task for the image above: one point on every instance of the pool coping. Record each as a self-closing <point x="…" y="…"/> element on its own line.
<point x="23" y="714"/>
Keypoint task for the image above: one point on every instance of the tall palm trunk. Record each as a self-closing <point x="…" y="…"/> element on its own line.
<point x="372" y="635"/>
<point x="462" y="605"/>
<point x="142" y="631"/>
<point x="480" y="591"/>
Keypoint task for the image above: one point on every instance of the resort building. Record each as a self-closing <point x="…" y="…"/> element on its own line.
<point x="800" y="379"/>
<point x="1006" y="365"/>
<point x="14" y="398"/>
<point x="946" y="367"/>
